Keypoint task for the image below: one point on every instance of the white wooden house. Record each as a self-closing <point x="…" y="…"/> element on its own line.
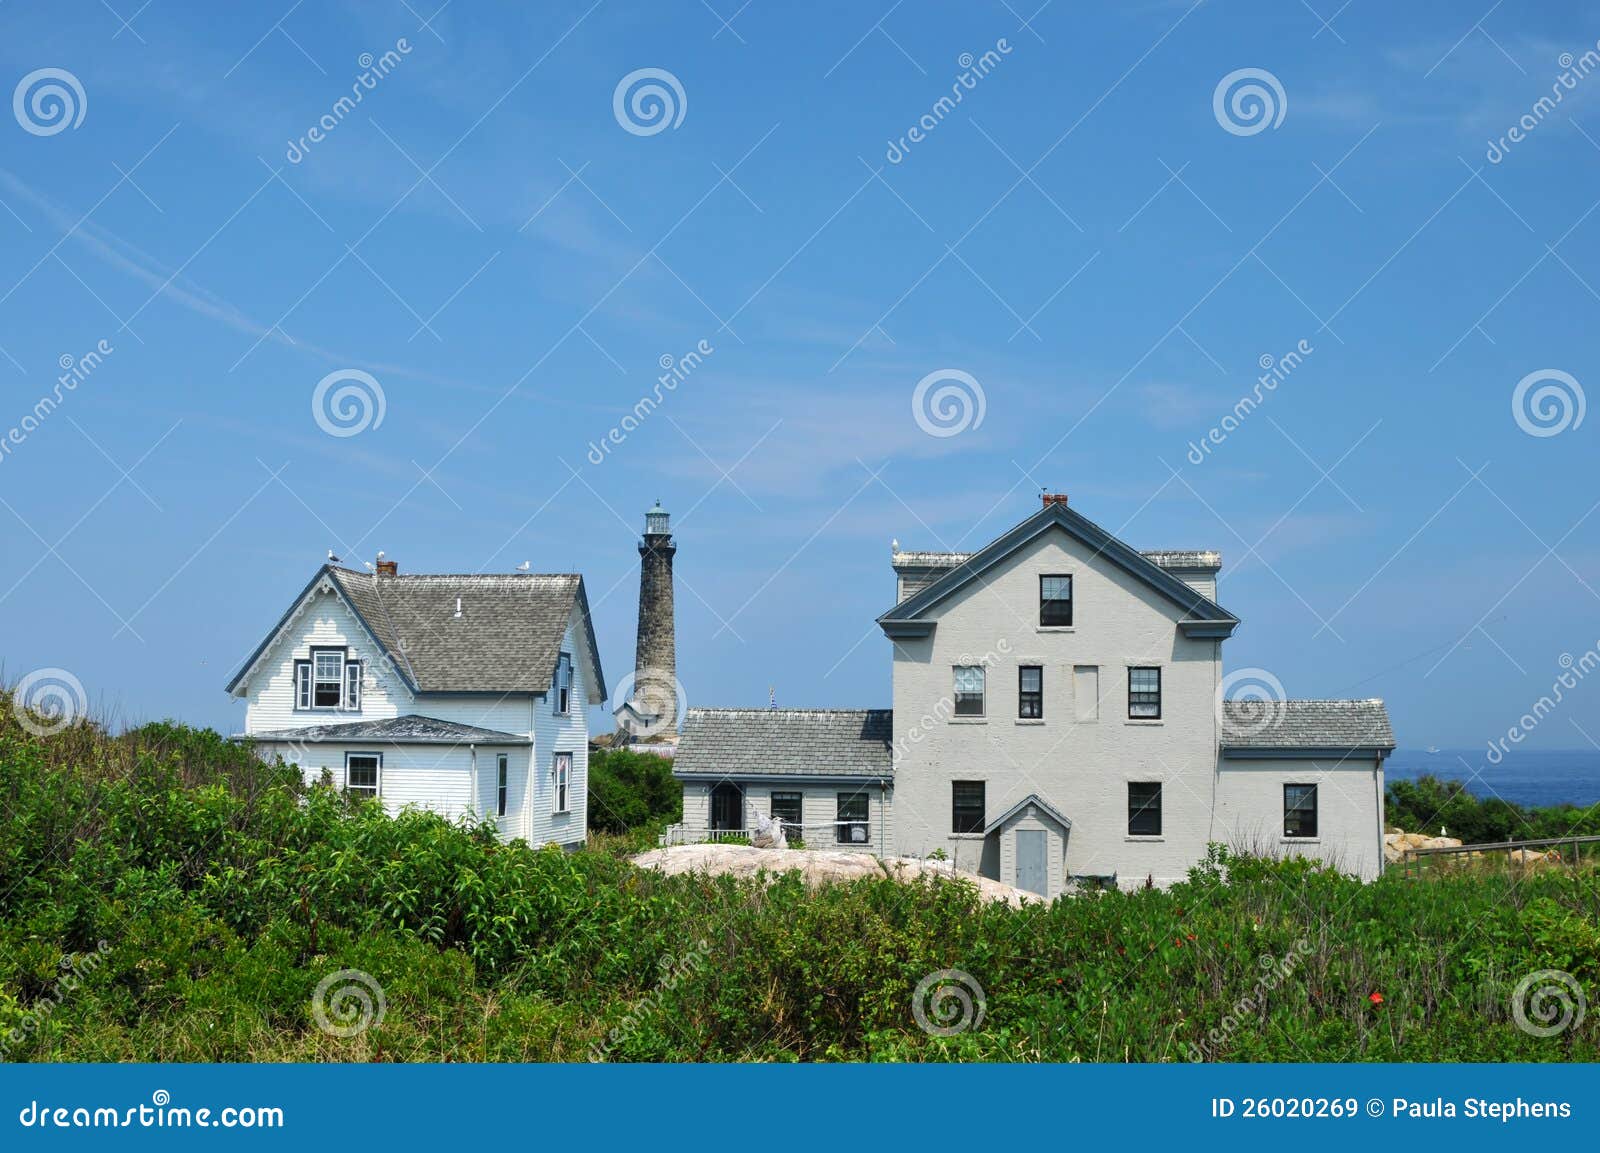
<point x="1060" y="715"/>
<point x="465" y="695"/>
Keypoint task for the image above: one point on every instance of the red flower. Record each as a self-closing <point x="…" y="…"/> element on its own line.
<point x="1375" y="998"/>
<point x="1189" y="937"/>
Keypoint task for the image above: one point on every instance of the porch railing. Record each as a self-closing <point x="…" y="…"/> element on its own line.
<point x="1568" y="851"/>
<point x="810" y="836"/>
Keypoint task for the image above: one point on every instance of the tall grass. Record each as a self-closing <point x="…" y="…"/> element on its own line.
<point x="224" y="891"/>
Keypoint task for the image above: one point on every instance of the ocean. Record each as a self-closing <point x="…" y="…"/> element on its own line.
<point x="1536" y="779"/>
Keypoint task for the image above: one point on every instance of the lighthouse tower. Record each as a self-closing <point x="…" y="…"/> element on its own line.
<point x="651" y="711"/>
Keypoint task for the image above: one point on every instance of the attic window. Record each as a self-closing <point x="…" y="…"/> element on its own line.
<point x="563" y="693"/>
<point x="1055" y="601"/>
<point x="329" y="680"/>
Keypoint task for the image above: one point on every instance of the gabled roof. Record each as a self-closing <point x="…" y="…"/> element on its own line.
<point x="742" y="743"/>
<point x="506" y="640"/>
<point x="1305" y="728"/>
<point x="1037" y="801"/>
<point x="1202" y="617"/>
<point x="410" y="729"/>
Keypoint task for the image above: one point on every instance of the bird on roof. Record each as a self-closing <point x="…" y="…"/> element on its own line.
<point x="524" y="566"/>
<point x="380" y="554"/>
<point x="367" y="565"/>
<point x="331" y="558"/>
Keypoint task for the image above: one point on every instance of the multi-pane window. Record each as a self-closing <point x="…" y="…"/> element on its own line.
<point x="1144" y="808"/>
<point x="327" y="681"/>
<point x="563" y="776"/>
<point x="1030" y="691"/>
<point x="852" y="819"/>
<point x="1144" y="693"/>
<point x="1299" y="810"/>
<point x="1055" y="600"/>
<point x="501" y="775"/>
<point x="786" y="808"/>
<point x="361" y="773"/>
<point x="969" y="690"/>
<point x="563" y="693"/>
<point x="966" y="806"/>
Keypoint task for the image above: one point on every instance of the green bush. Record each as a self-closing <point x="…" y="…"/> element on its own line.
<point x="628" y="790"/>
<point x="166" y="896"/>
<point x="1429" y="803"/>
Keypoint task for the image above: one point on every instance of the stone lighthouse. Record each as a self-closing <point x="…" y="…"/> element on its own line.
<point x="651" y="711"/>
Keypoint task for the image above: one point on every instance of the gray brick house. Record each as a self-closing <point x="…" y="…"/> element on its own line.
<point x="1060" y="715"/>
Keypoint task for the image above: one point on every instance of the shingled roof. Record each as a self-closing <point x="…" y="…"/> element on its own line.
<point x="1305" y="726"/>
<point x="786" y="743"/>
<point x="410" y="729"/>
<point x="506" y="640"/>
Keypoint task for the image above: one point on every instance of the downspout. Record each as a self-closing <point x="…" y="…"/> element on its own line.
<point x="472" y="802"/>
<point x="1377" y="786"/>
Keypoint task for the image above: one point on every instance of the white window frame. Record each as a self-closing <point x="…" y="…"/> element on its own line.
<point x="338" y="679"/>
<point x="352" y="686"/>
<point x="561" y="773"/>
<point x="377" y="785"/>
<point x="302" y="686"/>
<point x="502" y="780"/>
<point x="956" y="690"/>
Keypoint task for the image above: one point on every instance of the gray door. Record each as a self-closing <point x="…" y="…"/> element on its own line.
<point x="1032" y="867"/>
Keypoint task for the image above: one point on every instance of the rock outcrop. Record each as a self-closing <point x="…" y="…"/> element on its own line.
<point x="818" y="867"/>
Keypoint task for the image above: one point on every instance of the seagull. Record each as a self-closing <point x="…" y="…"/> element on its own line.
<point x="380" y="554"/>
<point x="331" y="558"/>
<point x="524" y="566"/>
<point x="367" y="564"/>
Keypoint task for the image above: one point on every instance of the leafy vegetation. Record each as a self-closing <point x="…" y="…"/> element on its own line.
<point x="1428" y="804"/>
<point x="224" y="891"/>
<point x="628" y="790"/>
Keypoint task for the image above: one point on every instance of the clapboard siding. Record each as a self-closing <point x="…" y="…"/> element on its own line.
<point x="324" y="621"/>
<point x="562" y="734"/>
<point x="819" y="811"/>
<point x="437" y="778"/>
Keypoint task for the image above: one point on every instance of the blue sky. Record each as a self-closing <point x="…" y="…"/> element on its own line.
<point x="1083" y="236"/>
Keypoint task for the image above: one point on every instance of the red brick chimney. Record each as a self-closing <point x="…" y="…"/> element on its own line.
<point x="388" y="568"/>
<point x="1051" y="498"/>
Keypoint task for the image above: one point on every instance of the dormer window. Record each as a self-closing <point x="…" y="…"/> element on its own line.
<point x="563" y="686"/>
<point x="1055" y="601"/>
<point x="329" y="680"/>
